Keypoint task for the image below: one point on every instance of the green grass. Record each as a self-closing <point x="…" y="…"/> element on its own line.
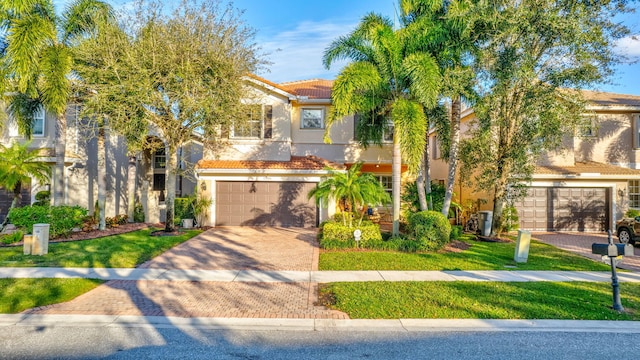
<point x="17" y="295"/>
<point x="118" y="251"/>
<point x="487" y="300"/>
<point x="480" y="256"/>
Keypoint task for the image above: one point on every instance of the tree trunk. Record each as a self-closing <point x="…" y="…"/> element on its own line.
<point x="17" y="196"/>
<point x="61" y="145"/>
<point x="453" y="154"/>
<point x="131" y="188"/>
<point x="102" y="179"/>
<point x="172" y="165"/>
<point x="499" y="196"/>
<point x="396" y="173"/>
<point x="421" y="181"/>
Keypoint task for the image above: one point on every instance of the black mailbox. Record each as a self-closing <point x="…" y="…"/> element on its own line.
<point x="612" y="250"/>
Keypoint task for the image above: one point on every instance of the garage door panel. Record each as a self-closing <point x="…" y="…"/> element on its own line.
<point x="565" y="209"/>
<point x="265" y="204"/>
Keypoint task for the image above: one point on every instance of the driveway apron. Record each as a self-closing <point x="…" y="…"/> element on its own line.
<point x="580" y="243"/>
<point x="223" y="248"/>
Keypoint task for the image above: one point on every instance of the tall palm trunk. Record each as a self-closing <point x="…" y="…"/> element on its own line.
<point x="61" y="147"/>
<point x="102" y="178"/>
<point x="131" y="187"/>
<point x="172" y="165"/>
<point x="453" y="153"/>
<point x="396" y="173"/>
<point x="424" y="180"/>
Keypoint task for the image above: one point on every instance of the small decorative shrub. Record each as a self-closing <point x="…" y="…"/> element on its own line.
<point x="43" y="198"/>
<point x="632" y="213"/>
<point x="11" y="238"/>
<point x="138" y="213"/>
<point x="337" y="236"/>
<point x="89" y="223"/>
<point x="62" y="219"/>
<point x="183" y="209"/>
<point x="510" y="220"/>
<point x="429" y="229"/>
<point x="456" y="232"/>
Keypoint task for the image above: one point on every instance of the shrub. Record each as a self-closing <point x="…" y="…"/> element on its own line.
<point x="183" y="209"/>
<point x="43" y="198"/>
<point x="138" y="213"/>
<point x="337" y="236"/>
<point x="510" y="220"/>
<point x="62" y="219"/>
<point x="412" y="203"/>
<point x="632" y="213"/>
<point x="456" y="232"/>
<point x="429" y="229"/>
<point x="11" y="238"/>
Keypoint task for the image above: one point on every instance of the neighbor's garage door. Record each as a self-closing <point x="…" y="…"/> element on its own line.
<point x="565" y="209"/>
<point x="259" y="203"/>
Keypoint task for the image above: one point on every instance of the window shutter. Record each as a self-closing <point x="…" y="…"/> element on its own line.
<point x="268" y="121"/>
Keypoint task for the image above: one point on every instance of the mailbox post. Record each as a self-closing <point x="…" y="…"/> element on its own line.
<point x="612" y="251"/>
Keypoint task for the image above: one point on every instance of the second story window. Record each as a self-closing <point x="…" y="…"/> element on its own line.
<point x="38" y="122"/>
<point x="588" y="127"/>
<point x="312" y="119"/>
<point x="159" y="159"/>
<point x="256" y="125"/>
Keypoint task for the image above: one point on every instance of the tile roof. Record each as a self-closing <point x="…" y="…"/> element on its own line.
<point x="309" y="162"/>
<point x="313" y="89"/>
<point x="588" y="167"/>
<point x="610" y="99"/>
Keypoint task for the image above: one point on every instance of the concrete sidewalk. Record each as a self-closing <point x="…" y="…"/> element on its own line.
<point x="258" y="276"/>
<point x="256" y="324"/>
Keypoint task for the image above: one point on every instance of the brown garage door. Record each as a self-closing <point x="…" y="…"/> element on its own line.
<point x="565" y="209"/>
<point x="260" y="203"/>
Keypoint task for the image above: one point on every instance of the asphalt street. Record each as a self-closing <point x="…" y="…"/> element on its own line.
<point x="157" y="342"/>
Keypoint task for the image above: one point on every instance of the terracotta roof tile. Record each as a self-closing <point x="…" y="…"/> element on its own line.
<point x="296" y="163"/>
<point x="313" y="89"/>
<point x="589" y="167"/>
<point x="610" y="99"/>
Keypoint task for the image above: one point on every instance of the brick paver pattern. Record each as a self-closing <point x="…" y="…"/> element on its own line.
<point x="580" y="243"/>
<point x="230" y="248"/>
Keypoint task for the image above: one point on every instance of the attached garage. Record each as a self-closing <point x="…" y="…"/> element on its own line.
<point x="263" y="203"/>
<point x="565" y="209"/>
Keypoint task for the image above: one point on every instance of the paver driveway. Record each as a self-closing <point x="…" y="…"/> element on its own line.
<point x="580" y="243"/>
<point x="224" y="248"/>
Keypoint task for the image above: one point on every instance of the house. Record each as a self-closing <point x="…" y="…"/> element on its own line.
<point x="270" y="163"/>
<point x="590" y="183"/>
<point x="129" y="179"/>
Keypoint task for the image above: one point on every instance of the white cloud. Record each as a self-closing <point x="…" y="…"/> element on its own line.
<point x="629" y="46"/>
<point x="297" y="54"/>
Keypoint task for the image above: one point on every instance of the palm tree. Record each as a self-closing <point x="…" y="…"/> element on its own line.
<point x="39" y="64"/>
<point x="18" y="165"/>
<point x="356" y="189"/>
<point x="385" y="83"/>
<point x="443" y="28"/>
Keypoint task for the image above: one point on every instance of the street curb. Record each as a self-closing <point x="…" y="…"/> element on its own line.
<point x="261" y="324"/>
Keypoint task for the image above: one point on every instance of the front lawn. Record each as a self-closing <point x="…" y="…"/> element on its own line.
<point x="17" y="295"/>
<point x="472" y="300"/>
<point x="117" y="251"/>
<point x="479" y="256"/>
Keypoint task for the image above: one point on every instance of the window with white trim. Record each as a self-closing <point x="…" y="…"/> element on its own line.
<point x="311" y="118"/>
<point x="37" y="124"/>
<point x="387" y="183"/>
<point x="589" y="127"/>
<point x="387" y="132"/>
<point x="251" y="127"/>
<point x="636" y="137"/>
<point x="633" y="188"/>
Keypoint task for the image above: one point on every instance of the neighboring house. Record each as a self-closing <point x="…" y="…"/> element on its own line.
<point x="590" y="183"/>
<point x="264" y="174"/>
<point x="81" y="168"/>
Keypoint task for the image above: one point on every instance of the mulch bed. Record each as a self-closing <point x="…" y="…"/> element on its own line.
<point x="87" y="235"/>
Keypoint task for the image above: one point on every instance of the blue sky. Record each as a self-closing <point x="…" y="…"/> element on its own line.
<point x="295" y="34"/>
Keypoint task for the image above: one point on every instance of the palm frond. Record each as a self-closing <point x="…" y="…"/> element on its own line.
<point x="22" y="108"/>
<point x="425" y="77"/>
<point x="84" y="16"/>
<point x="410" y="128"/>
<point x="56" y="66"/>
